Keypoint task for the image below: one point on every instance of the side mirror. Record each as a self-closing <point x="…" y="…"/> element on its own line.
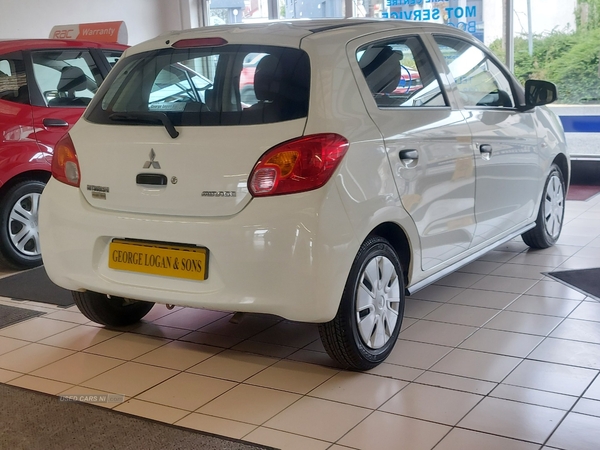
<point x="538" y="92"/>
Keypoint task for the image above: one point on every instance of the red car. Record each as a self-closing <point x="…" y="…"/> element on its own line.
<point x="45" y="85"/>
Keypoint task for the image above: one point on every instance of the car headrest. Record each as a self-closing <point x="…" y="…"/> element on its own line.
<point x="381" y="68"/>
<point x="72" y="79"/>
<point x="282" y="77"/>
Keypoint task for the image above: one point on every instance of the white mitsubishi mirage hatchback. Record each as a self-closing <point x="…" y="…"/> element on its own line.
<point x="373" y="158"/>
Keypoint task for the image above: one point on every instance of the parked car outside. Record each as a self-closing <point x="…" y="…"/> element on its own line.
<point x="328" y="199"/>
<point x="45" y="84"/>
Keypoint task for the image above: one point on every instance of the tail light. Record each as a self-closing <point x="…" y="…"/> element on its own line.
<point x="299" y="165"/>
<point x="65" y="166"/>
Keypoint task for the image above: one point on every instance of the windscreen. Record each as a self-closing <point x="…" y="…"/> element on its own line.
<point x="224" y="85"/>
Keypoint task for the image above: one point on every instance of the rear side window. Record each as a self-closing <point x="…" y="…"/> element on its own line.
<point x="66" y="78"/>
<point x="13" y="82"/>
<point x="399" y="74"/>
<point x="225" y="85"/>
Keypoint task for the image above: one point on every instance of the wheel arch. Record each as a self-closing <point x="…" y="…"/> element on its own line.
<point x="36" y="175"/>
<point x="563" y="164"/>
<point x="398" y="239"/>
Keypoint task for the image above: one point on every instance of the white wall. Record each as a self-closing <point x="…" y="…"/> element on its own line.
<point x="35" y="18"/>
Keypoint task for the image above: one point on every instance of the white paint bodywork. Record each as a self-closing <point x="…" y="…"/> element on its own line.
<point x="290" y="255"/>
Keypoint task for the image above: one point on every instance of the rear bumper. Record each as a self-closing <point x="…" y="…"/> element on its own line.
<point x="287" y="255"/>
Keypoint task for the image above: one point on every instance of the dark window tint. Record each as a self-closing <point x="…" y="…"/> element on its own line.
<point x="399" y="74"/>
<point x="226" y="85"/>
<point x="66" y="78"/>
<point x="112" y="56"/>
<point x="13" y="82"/>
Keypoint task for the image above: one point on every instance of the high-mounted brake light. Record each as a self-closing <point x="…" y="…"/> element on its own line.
<point x="65" y="166"/>
<point x="299" y="165"/>
<point x="199" y="42"/>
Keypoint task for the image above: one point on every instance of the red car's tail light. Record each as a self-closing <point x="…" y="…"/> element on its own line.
<point x="299" y="165"/>
<point x="65" y="166"/>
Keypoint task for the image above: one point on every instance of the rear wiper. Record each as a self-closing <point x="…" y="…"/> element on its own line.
<point x="146" y="117"/>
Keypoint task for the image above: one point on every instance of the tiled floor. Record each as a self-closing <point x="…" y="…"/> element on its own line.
<point x="496" y="356"/>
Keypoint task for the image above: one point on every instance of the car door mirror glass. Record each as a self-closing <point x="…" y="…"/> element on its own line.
<point x="539" y="92"/>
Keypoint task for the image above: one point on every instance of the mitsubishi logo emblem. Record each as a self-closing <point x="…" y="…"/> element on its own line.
<point x="154" y="164"/>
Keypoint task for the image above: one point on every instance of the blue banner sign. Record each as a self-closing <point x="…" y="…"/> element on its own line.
<point x="467" y="16"/>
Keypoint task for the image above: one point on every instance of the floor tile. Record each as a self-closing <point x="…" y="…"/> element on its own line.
<point x="462" y="315"/>
<point x="317" y="358"/>
<point x="482" y="366"/>
<point x="522" y="271"/>
<point x="359" y="389"/>
<point x="251" y="325"/>
<point x="232" y="365"/>
<point x="587" y="311"/>
<point x="437" y="333"/>
<point x="68" y="316"/>
<point x="319" y="419"/>
<point x="159" y="331"/>
<point x="264" y="349"/>
<point x="396" y="372"/>
<point x="40" y="384"/>
<point x="383" y="430"/>
<point x="498" y="256"/>
<point x="80" y="337"/>
<point x="594" y="390"/>
<point x="502" y="343"/>
<point x="7" y="375"/>
<point x="216" y="340"/>
<point x="485" y="267"/>
<point x="216" y="425"/>
<point x="152" y="411"/>
<point x="187" y="391"/>
<point x="417" y="309"/>
<point x="554" y="289"/>
<point x="459" y="439"/>
<point x="572" y="353"/>
<point x="549" y="306"/>
<point x="484" y="299"/>
<point x="534" y="396"/>
<point x="537" y="258"/>
<point x="458" y="383"/>
<point x="289" y="334"/>
<point x="10" y="344"/>
<point x="416" y="354"/>
<point x="524" y="323"/>
<point x="292" y="376"/>
<point x="577" y="432"/>
<point x="431" y="403"/>
<point x="190" y="318"/>
<point x="283" y="440"/>
<point x="178" y="355"/>
<point x="552" y="377"/>
<point x="35" y="329"/>
<point x="77" y="368"/>
<point x="249" y="404"/>
<point x="587" y="406"/>
<point x="578" y="330"/>
<point x="31" y="357"/>
<point x="460" y="280"/>
<point x="129" y="379"/>
<point x="437" y="293"/>
<point x="513" y="419"/>
<point x="127" y="346"/>
<point x="504" y="284"/>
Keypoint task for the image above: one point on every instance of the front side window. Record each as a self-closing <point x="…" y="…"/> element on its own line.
<point x="13" y="82"/>
<point x="225" y="85"/>
<point x="400" y="74"/>
<point x="479" y="80"/>
<point x="66" y="78"/>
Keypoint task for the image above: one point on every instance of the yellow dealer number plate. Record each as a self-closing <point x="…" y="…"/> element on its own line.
<point x="159" y="259"/>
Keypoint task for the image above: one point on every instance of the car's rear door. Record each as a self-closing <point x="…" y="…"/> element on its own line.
<point x="427" y="140"/>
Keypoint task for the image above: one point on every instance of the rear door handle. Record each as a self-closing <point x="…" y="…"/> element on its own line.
<point x="53" y="123"/>
<point x="151" y="179"/>
<point x="409" y="154"/>
<point x="486" y="151"/>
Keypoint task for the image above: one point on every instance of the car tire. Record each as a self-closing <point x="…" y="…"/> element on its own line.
<point x="19" y="237"/>
<point x="549" y="221"/>
<point x="366" y="326"/>
<point x="109" y="310"/>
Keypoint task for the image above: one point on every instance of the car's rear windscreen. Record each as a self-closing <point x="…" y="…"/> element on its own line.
<point x="224" y="85"/>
